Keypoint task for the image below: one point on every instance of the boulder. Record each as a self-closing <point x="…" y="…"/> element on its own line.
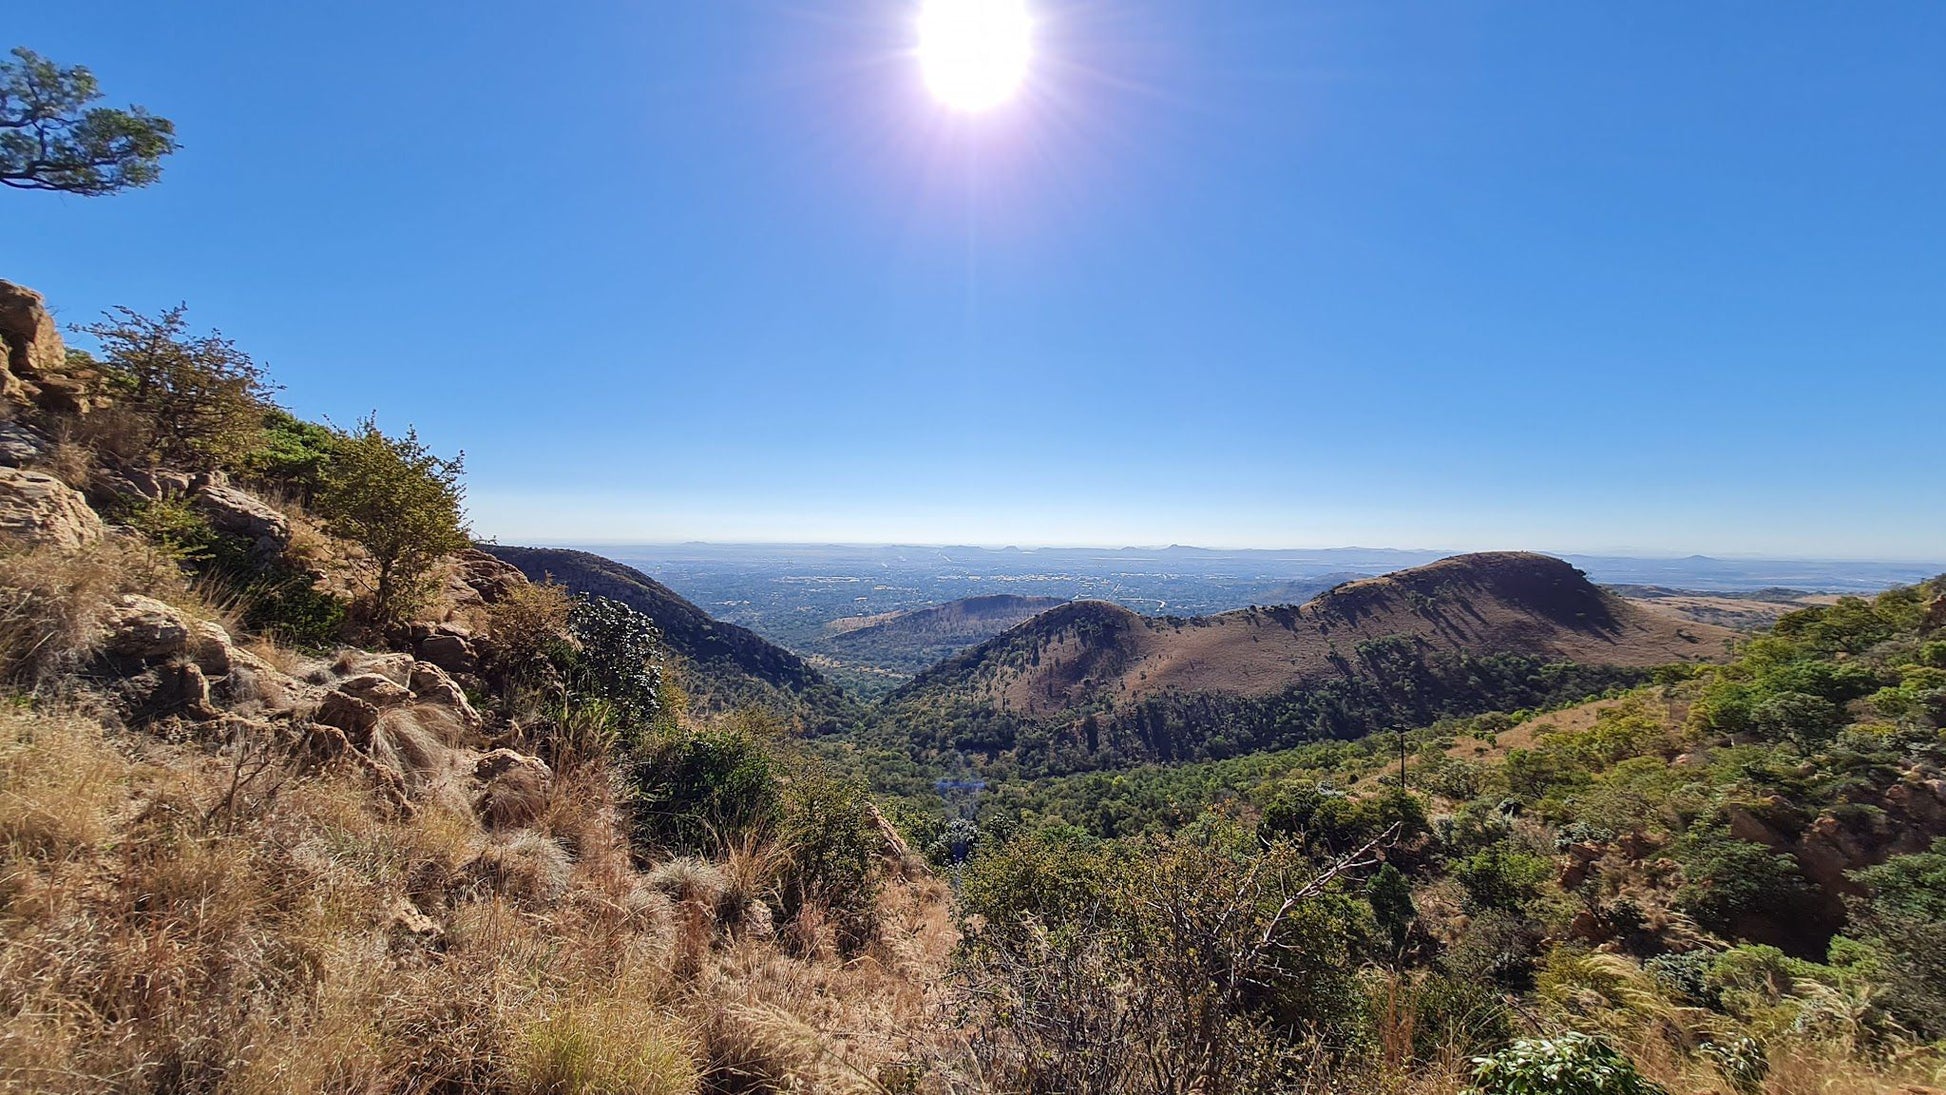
<point x="515" y="788"/>
<point x="350" y="714"/>
<point x="20" y="446"/>
<point x="211" y="648"/>
<point x="183" y="690"/>
<point x="431" y="684"/>
<point x="35" y="371"/>
<point x="144" y="628"/>
<point x="396" y="668"/>
<point x="253" y="681"/>
<point x="36" y="508"/>
<point x="1935" y="614"/>
<point x="375" y="689"/>
<point x="489" y="578"/>
<point x="449" y="652"/>
<point x="33" y="341"/>
<point x="238" y="513"/>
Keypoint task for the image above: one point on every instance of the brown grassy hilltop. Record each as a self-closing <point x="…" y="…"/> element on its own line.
<point x="1397" y="646"/>
<point x="1513" y="602"/>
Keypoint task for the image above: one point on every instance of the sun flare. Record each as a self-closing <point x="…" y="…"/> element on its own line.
<point x="975" y="53"/>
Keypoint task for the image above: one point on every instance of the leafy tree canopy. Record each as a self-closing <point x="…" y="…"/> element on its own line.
<point x="402" y="504"/>
<point x="52" y="139"/>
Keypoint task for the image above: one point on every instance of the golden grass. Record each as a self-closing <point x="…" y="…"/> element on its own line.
<point x="309" y="940"/>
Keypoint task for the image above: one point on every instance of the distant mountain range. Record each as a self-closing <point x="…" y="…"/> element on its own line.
<point x="1093" y="684"/>
<point x="1035" y="684"/>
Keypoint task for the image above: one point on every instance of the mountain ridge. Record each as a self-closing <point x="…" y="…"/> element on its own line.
<point x="1513" y="628"/>
<point x="721" y="664"/>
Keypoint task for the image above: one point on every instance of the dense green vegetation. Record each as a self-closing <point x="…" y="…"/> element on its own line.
<point x="1708" y="869"/>
<point x="1393" y="684"/>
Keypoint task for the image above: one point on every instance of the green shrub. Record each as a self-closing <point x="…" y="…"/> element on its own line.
<point x="619" y="660"/>
<point x="832" y="847"/>
<point x="1904" y="920"/>
<point x="1570" y="1064"/>
<point x="172" y="526"/>
<point x="290" y="454"/>
<point x="1502" y="877"/>
<point x="184" y="400"/>
<point x="1796" y="716"/>
<point x="402" y="504"/>
<point x="1726" y="879"/>
<point x="697" y="791"/>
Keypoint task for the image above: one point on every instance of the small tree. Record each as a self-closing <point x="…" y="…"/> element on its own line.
<point x="399" y="502"/>
<point x="190" y="400"/>
<point x="620" y="660"/>
<point x="51" y="139"/>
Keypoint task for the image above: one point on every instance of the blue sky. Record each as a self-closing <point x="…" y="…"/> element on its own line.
<point x="1647" y="276"/>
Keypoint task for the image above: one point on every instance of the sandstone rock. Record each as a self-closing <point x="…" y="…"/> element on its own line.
<point x="407" y="922"/>
<point x="33" y="341"/>
<point x="431" y="684"/>
<point x="36" y="508"/>
<point x="211" y="648"/>
<point x="183" y="690"/>
<point x="396" y="668"/>
<point x="144" y="628"/>
<point x="449" y="652"/>
<point x="253" y="681"/>
<point x="34" y="370"/>
<point x="375" y="689"/>
<point x="487" y="576"/>
<point x="19" y="445"/>
<point x="1935" y="614"/>
<point x="348" y="713"/>
<point x="237" y="513"/>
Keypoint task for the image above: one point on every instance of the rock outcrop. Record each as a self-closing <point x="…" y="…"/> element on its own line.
<point x="145" y="629"/>
<point x="20" y="446"/>
<point x="37" y="508"/>
<point x="36" y="372"/>
<point x="233" y="512"/>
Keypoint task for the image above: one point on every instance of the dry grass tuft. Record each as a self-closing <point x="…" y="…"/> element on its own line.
<point x="306" y="939"/>
<point x="52" y="600"/>
<point x="603" y="1046"/>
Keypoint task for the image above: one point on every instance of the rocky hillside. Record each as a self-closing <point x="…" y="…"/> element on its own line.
<point x="720" y="665"/>
<point x="299" y="793"/>
<point x="1099" y="683"/>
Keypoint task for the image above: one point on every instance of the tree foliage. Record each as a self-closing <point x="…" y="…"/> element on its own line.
<point x="52" y="139"/>
<point x="401" y="503"/>
<point x="187" y="400"/>
<point x="620" y="659"/>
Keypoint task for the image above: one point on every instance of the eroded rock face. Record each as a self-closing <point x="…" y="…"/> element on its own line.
<point x="144" y="629"/>
<point x="487" y="576"/>
<point x="238" y="513"/>
<point x="449" y="652"/>
<point x="20" y="446"/>
<point x="36" y="508"/>
<point x="432" y="685"/>
<point x="33" y="341"/>
<point x="35" y="371"/>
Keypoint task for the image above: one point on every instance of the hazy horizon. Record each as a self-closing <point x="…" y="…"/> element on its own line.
<point x="596" y="545"/>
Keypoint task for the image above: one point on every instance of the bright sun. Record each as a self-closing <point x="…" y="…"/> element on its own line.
<point x="974" y="52"/>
